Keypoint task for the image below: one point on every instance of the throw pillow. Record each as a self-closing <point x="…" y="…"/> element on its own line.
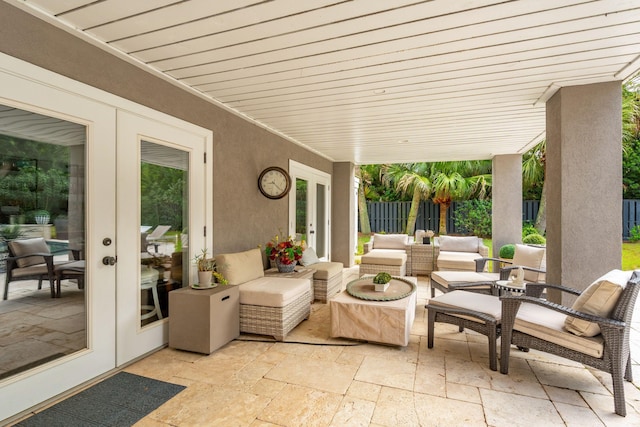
<point x="241" y="267"/>
<point x="529" y="256"/>
<point x="599" y="299"/>
<point x="459" y="243"/>
<point x="309" y="257"/>
<point x="390" y="241"/>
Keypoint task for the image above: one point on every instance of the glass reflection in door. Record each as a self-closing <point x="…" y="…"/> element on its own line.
<point x="42" y="209"/>
<point x="164" y="229"/>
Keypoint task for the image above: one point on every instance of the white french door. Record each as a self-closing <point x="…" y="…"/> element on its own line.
<point x="82" y="133"/>
<point x="310" y="207"/>
<point x="162" y="182"/>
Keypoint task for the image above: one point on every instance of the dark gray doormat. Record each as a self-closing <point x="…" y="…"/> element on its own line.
<point x="120" y="400"/>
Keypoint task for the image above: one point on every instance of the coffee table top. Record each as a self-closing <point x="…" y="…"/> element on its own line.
<point x="364" y="288"/>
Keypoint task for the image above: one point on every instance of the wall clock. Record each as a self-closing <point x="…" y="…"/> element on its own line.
<point x="274" y="182"/>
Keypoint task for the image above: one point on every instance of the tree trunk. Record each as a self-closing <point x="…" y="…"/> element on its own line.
<point x="365" y="226"/>
<point x="443" y="218"/>
<point x="413" y="213"/>
<point x="541" y="218"/>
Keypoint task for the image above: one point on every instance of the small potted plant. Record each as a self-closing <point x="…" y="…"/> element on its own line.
<point x="284" y="252"/>
<point x="42" y="216"/>
<point x="206" y="267"/>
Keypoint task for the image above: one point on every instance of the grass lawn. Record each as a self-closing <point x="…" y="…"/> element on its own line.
<point x="630" y="252"/>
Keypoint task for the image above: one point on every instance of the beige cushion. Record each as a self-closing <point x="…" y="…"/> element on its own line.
<point x="29" y="246"/>
<point x="529" y="256"/>
<point x="272" y="291"/>
<point x="309" y="257"/>
<point x="598" y="299"/>
<point x="459" y="243"/>
<point x="390" y="241"/>
<point x="487" y="304"/>
<point x="547" y="324"/>
<point x="448" y="260"/>
<point x="240" y="267"/>
<point x="326" y="270"/>
<point x="385" y="257"/>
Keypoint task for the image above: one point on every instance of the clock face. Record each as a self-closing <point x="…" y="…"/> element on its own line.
<point x="274" y="182"/>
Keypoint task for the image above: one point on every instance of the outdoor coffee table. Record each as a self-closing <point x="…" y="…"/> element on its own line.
<point x="387" y="322"/>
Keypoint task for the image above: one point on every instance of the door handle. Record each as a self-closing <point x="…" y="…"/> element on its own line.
<point x="109" y="260"/>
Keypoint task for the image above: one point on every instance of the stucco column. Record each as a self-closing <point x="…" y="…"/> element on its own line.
<point x="343" y="206"/>
<point x="506" y="206"/>
<point x="584" y="184"/>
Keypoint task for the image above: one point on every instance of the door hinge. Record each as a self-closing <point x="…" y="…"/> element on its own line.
<point x="205" y="157"/>
<point x="205" y="231"/>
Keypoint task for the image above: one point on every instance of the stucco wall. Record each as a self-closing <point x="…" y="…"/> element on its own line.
<point x="242" y="217"/>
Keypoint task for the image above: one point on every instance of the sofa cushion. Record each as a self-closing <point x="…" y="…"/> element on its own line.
<point x="599" y="299"/>
<point x="390" y="241"/>
<point x="240" y="267"/>
<point x="29" y="246"/>
<point x="448" y="260"/>
<point x="459" y="243"/>
<point x="529" y="256"/>
<point x="547" y="324"/>
<point x="385" y="257"/>
<point x="326" y="270"/>
<point x="272" y="291"/>
<point x="309" y="257"/>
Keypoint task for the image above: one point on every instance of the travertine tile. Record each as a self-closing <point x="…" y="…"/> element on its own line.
<point x="463" y="392"/>
<point x="438" y="411"/>
<point x="362" y="390"/>
<point x="353" y="412"/>
<point x="509" y="410"/>
<point x="468" y="373"/>
<point x="301" y="406"/>
<point x="563" y="395"/>
<point x="387" y="372"/>
<point x="430" y="379"/>
<point x="603" y="407"/>
<point x="268" y="388"/>
<point x="395" y="408"/>
<point x="320" y="374"/>
<point x="578" y="416"/>
<point x="573" y="378"/>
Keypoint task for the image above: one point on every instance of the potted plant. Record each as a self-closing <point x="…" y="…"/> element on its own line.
<point x="284" y="252"/>
<point x="207" y="271"/>
<point x="42" y="216"/>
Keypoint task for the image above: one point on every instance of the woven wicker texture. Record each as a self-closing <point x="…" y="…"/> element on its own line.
<point x="323" y="290"/>
<point x="275" y="321"/>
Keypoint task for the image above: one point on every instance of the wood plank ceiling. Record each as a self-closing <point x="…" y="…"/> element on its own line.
<point x="373" y="81"/>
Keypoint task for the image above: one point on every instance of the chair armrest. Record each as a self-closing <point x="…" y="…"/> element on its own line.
<point x="44" y="255"/>
<point x="510" y="310"/>
<point x="482" y="262"/>
<point x="482" y="249"/>
<point x="368" y="246"/>
<point x="539" y="287"/>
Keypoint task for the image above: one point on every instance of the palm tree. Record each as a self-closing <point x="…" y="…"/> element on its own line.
<point x="443" y="182"/>
<point x="533" y="172"/>
<point x="365" y="174"/>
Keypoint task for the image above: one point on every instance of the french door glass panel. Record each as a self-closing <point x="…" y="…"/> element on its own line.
<point x="58" y="155"/>
<point x="167" y="164"/>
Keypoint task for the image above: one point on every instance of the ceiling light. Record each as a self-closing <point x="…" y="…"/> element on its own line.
<point x="379" y="91"/>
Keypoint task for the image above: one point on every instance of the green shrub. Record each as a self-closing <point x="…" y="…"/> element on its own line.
<point x="474" y="216"/>
<point x="634" y="234"/>
<point x="527" y="229"/>
<point x="507" y="251"/>
<point x="534" y="239"/>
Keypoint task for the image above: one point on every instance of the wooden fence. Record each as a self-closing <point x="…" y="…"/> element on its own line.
<point x="391" y="217"/>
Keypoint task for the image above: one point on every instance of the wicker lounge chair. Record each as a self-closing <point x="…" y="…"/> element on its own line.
<point x="590" y="332"/>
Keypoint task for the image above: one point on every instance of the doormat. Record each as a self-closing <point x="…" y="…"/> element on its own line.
<point x="120" y="400"/>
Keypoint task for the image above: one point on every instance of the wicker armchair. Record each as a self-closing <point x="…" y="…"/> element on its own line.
<point x="528" y="322"/>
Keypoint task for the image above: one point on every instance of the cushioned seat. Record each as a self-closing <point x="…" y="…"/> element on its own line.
<point x="269" y="305"/>
<point x="442" y="280"/>
<point x="386" y="253"/>
<point x="459" y="252"/>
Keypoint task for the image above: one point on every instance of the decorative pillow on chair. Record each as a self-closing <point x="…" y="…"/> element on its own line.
<point x="529" y="256"/>
<point x="599" y="299"/>
<point x="22" y="247"/>
<point x="309" y="257"/>
<point x="459" y="243"/>
<point x="390" y="241"/>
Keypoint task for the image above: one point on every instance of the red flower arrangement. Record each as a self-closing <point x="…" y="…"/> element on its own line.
<point x="286" y="251"/>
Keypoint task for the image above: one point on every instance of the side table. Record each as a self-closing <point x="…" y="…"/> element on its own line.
<point x="421" y="259"/>
<point x="203" y="320"/>
<point x="298" y="273"/>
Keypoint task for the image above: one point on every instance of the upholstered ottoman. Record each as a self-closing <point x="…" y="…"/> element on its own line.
<point x="387" y="322"/>
<point x="327" y="280"/>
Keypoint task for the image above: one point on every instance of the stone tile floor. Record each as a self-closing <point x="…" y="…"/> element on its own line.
<point x="287" y="384"/>
<point x="335" y="383"/>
